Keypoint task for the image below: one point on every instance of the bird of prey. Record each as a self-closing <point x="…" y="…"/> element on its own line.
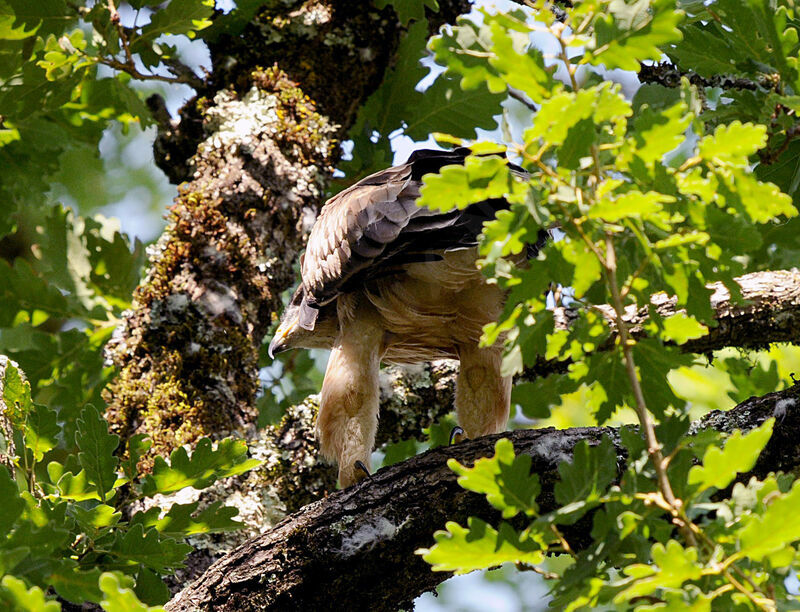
<point x="385" y="280"/>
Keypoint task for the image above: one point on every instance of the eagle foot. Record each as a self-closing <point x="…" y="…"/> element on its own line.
<point x="457" y="435"/>
<point x="360" y="465"/>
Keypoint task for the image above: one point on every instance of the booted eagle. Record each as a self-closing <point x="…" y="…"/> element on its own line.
<point x="386" y="280"/>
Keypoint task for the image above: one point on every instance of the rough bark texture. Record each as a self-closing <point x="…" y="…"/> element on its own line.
<point x="257" y="153"/>
<point x="357" y="545"/>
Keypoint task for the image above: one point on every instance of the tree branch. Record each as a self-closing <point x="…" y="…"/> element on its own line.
<point x="667" y="75"/>
<point x="770" y="313"/>
<point x="357" y="545"/>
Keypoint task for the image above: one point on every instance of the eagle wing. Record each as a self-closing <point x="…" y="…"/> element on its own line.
<point x="375" y="226"/>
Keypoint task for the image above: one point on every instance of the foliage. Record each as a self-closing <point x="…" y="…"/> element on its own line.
<point x="668" y="192"/>
<point x="71" y="520"/>
<point x="63" y="515"/>
<point x="69" y="516"/>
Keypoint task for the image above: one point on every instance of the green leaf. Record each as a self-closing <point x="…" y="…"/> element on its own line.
<point x="77" y="585"/>
<point x="463" y="550"/>
<point x="11" y="557"/>
<point x="608" y="370"/>
<point x="586" y="478"/>
<point x="629" y="33"/>
<point x="480" y="178"/>
<point x="680" y="328"/>
<point x="15" y="594"/>
<point x="505" y="479"/>
<point x="7" y="21"/>
<point x="138" y="445"/>
<point x="41" y="431"/>
<point x="732" y="144"/>
<point x="630" y="204"/>
<point x="15" y="393"/>
<point x="558" y="115"/>
<point x="521" y="67"/>
<point x="77" y="486"/>
<point x="206" y="466"/>
<point x="119" y="597"/>
<point x="746" y="38"/>
<point x="150" y="588"/>
<point x="507" y="234"/>
<point x="463" y="49"/>
<point x="574" y="265"/>
<point x="67" y="259"/>
<point x="97" y="448"/>
<point x="654" y="361"/>
<point x="184" y="520"/>
<point x="672" y="566"/>
<point x="762" y="202"/>
<point x="45" y="16"/>
<point x="409" y="10"/>
<point x="720" y="466"/>
<point x="96" y="518"/>
<point x="176" y="17"/>
<point x="657" y="133"/>
<point x="774" y="529"/>
<point x="139" y="547"/>
<point x="233" y="22"/>
<point x="12" y="505"/>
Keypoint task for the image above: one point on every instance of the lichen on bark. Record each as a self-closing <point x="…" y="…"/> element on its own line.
<point x="188" y="347"/>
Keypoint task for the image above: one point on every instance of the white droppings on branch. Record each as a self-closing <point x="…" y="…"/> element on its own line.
<point x="782" y="406"/>
<point x="368" y="534"/>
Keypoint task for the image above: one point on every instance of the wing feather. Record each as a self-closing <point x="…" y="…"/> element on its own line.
<point x="376" y="224"/>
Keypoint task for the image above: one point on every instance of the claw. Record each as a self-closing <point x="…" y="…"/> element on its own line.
<point x="360" y="465"/>
<point x="457" y="435"/>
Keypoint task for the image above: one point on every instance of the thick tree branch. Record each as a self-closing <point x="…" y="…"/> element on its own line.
<point x="668" y="75"/>
<point x="357" y="545"/>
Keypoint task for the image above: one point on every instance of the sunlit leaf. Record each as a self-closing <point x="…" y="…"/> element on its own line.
<point x="505" y="479"/>
<point x="720" y="466"/>
<point x="206" y="465"/>
<point x="462" y="550"/>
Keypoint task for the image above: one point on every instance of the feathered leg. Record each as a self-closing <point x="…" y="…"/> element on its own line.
<point x="483" y="395"/>
<point x="348" y="412"/>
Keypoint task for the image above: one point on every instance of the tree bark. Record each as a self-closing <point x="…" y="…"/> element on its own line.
<point x="356" y="546"/>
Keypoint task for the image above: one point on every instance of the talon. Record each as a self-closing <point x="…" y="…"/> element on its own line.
<point x="457" y="435"/>
<point x="360" y="465"/>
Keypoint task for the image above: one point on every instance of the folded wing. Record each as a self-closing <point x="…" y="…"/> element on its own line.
<point x="374" y="227"/>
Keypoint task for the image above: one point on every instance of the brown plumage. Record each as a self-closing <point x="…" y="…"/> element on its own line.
<point x="386" y="280"/>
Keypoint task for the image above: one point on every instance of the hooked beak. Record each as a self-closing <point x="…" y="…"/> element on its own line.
<point x="278" y="343"/>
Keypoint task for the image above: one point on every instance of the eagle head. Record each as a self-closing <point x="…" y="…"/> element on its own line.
<point x="303" y="324"/>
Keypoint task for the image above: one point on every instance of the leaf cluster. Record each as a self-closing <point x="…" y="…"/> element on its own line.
<point x="666" y="192"/>
<point x="71" y="521"/>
